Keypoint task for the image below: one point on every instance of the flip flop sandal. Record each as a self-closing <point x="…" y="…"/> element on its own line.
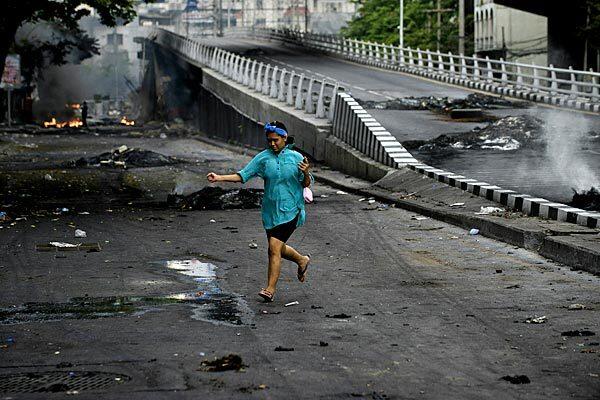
<point x="302" y="273"/>
<point x="266" y="295"/>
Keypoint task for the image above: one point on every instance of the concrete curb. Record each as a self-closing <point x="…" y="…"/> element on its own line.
<point x="578" y="251"/>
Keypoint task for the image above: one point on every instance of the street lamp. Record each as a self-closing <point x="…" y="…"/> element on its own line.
<point x="401" y="26"/>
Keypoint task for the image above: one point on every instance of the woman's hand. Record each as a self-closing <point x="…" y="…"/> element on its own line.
<point x="304" y="166"/>
<point x="212" y="177"/>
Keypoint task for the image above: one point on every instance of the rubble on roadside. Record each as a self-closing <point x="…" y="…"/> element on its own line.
<point x="506" y="134"/>
<point x="443" y="104"/>
<point x="125" y="157"/>
<point x="217" y="198"/>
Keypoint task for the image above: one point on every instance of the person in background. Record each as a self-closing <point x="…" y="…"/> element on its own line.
<point x="84" y="113"/>
<point x="285" y="173"/>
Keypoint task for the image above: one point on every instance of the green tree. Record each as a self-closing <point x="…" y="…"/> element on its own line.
<point x="65" y="13"/>
<point x="378" y="20"/>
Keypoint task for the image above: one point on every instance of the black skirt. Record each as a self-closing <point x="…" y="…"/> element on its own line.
<point x="283" y="231"/>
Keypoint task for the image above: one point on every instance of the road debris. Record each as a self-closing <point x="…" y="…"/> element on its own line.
<point x="536" y="320"/>
<point x="419" y="218"/>
<point x="293" y="303"/>
<point x="281" y="348"/>
<point x="323" y="344"/>
<point x="516" y="379"/>
<point x="577" y="333"/>
<point x="489" y="210"/>
<point x="253" y="245"/>
<point x="125" y="157"/>
<point x="474" y="232"/>
<point x="217" y="198"/>
<point x="443" y="104"/>
<point x="457" y="205"/>
<point x="338" y="316"/>
<point x="587" y="200"/>
<point x="576" y="306"/>
<point x="340" y="192"/>
<point x="231" y="362"/>
<point x="64" y="245"/>
<point x="4" y="216"/>
<point x="80" y="234"/>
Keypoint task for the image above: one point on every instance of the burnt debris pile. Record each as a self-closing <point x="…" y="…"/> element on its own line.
<point x="508" y="133"/>
<point x="124" y="157"/>
<point x="443" y="104"/>
<point x="586" y="200"/>
<point x="216" y="198"/>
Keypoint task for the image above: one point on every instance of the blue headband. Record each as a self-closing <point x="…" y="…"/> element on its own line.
<point x="273" y="128"/>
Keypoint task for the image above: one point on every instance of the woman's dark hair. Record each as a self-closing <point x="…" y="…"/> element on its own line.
<point x="281" y="125"/>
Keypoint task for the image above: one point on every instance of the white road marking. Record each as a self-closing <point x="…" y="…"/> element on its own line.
<point x="359" y="88"/>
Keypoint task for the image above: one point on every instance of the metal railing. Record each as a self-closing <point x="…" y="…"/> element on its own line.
<point x="314" y="96"/>
<point x="545" y="84"/>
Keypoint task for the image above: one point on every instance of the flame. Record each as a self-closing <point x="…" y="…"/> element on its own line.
<point x="74" y="123"/>
<point x="127" y="122"/>
<point x="74" y="106"/>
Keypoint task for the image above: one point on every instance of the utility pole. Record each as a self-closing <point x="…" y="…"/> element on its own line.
<point x="305" y="15"/>
<point x="401" y="25"/>
<point x="439" y="10"/>
<point x="461" y="27"/>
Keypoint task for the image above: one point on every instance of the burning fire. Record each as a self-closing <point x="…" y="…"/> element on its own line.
<point x="127" y="122"/>
<point x="74" y="123"/>
<point x="74" y="106"/>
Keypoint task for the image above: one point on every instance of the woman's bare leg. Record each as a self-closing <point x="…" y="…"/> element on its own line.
<point x="289" y="253"/>
<point x="275" y="251"/>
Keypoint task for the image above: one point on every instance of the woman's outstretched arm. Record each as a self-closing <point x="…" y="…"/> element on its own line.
<point x="212" y="178"/>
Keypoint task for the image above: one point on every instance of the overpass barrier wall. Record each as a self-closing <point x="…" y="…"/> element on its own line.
<point x="351" y="124"/>
<point x="558" y="86"/>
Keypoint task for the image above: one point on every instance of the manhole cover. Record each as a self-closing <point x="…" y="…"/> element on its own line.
<point x="59" y="381"/>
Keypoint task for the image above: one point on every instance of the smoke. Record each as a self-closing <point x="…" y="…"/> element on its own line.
<point x="567" y="135"/>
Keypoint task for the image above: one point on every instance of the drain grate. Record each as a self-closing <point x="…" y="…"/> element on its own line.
<point x="59" y="381"/>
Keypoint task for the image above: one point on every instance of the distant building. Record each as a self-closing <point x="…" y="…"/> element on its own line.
<point x="509" y="33"/>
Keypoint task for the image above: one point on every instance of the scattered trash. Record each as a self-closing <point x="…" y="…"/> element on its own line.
<point x="80" y="234"/>
<point x="253" y="245"/>
<point x="536" y="320"/>
<point x="489" y="210"/>
<point x="371" y="201"/>
<point x="323" y="344"/>
<point x="474" y="232"/>
<point x="324" y="196"/>
<point x="513" y="287"/>
<point x="578" y="333"/>
<point x="163" y="135"/>
<point x="212" y="221"/>
<point x="217" y="198"/>
<point x="516" y="379"/>
<point x="457" y="205"/>
<point x="339" y="316"/>
<point x="340" y="192"/>
<point x="270" y="312"/>
<point x="48" y="177"/>
<point x="293" y="303"/>
<point x="363" y="199"/>
<point x="418" y="218"/>
<point x="63" y="244"/>
<point x="313" y="307"/>
<point x="281" y="348"/>
<point x="232" y="362"/>
<point x="576" y="306"/>
<point x="124" y="156"/>
<point x="84" y="213"/>
<point x="586" y="200"/>
<point x="498" y="271"/>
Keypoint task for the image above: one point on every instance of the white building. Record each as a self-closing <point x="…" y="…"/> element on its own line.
<point x="509" y="33"/>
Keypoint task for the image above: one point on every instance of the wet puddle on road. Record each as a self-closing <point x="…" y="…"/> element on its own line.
<point x="208" y="302"/>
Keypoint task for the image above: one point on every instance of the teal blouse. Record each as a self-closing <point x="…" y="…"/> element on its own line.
<point x="283" y="198"/>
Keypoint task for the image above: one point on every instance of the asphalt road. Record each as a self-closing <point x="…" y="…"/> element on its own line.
<point x="552" y="173"/>
<point x="430" y="311"/>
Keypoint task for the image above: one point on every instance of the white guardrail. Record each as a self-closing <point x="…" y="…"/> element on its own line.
<point x="558" y="86"/>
